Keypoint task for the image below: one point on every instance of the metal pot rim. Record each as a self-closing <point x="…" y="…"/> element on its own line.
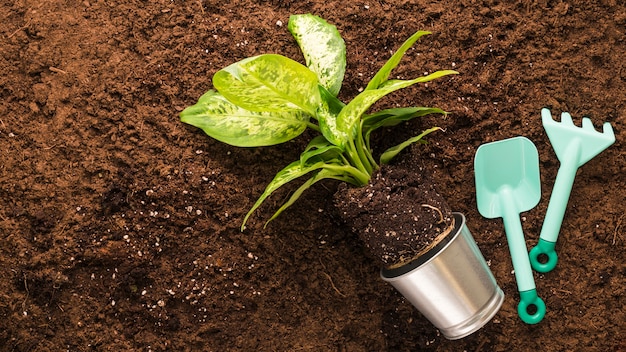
<point x="459" y="222"/>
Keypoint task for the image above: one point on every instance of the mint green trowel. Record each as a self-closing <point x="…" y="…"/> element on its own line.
<point x="574" y="146"/>
<point x="507" y="183"/>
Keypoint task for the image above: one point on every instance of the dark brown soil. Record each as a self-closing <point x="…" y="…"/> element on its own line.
<point x="119" y="225"/>
<point x="398" y="216"/>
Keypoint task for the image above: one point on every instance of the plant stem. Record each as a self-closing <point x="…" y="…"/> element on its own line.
<point x="361" y="154"/>
<point x="354" y="157"/>
<point x="365" y="149"/>
<point x="361" y="177"/>
<point x="312" y="126"/>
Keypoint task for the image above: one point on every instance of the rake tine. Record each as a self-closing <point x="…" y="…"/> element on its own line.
<point x="608" y="130"/>
<point x="587" y="123"/>
<point x="546" y="117"/>
<point x="566" y="118"/>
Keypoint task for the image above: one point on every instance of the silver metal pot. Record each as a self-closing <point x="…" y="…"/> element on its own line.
<point x="451" y="284"/>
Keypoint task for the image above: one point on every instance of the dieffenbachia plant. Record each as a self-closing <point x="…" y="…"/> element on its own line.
<point x="270" y="99"/>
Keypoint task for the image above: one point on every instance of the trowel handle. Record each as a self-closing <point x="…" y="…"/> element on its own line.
<point x="521" y="264"/>
<point x="543" y="256"/>
<point x="519" y="253"/>
<point x="531" y="308"/>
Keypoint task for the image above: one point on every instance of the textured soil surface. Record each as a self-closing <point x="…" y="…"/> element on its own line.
<point x="398" y="216"/>
<point x="119" y="225"/>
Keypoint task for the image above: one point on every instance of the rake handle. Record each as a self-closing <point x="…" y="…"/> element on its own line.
<point x="521" y="265"/>
<point x="556" y="211"/>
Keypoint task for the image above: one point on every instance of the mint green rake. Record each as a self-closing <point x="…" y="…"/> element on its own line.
<point x="507" y="183"/>
<point x="574" y="146"/>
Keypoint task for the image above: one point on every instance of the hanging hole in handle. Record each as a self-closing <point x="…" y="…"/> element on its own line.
<point x="531" y="308"/>
<point x="543" y="257"/>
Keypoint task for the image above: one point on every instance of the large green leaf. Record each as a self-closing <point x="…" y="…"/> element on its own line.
<point x="269" y="82"/>
<point x="328" y="126"/>
<point x="228" y="123"/>
<point x="350" y="116"/>
<point x="383" y="74"/>
<point x="323" y="48"/>
<point x="390" y="153"/>
<point x="332" y="102"/>
<point x="326" y="115"/>
<point x="317" y="176"/>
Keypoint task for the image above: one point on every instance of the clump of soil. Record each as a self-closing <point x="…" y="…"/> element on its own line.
<point x="398" y="215"/>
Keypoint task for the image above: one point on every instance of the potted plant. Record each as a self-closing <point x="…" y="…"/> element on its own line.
<point x="269" y="99"/>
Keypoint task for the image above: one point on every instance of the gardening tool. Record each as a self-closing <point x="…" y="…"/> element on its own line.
<point x="574" y="146"/>
<point x="507" y="183"/>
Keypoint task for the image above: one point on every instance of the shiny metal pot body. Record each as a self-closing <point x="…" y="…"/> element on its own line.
<point x="451" y="285"/>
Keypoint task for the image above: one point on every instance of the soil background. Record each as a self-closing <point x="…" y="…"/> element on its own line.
<point x="119" y="225"/>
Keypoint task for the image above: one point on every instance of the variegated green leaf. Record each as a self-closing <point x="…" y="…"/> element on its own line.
<point x="332" y="102"/>
<point x="328" y="126"/>
<point x="323" y="48"/>
<point x="269" y="82"/>
<point x="350" y="116"/>
<point x="228" y="123"/>
<point x="383" y="74"/>
<point x="317" y="176"/>
<point x="326" y="115"/>
<point x="390" y="153"/>
<point x="319" y="149"/>
<point x="284" y="176"/>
